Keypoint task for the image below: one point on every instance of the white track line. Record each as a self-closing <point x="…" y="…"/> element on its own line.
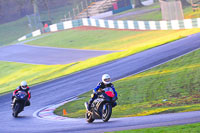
<point x="46" y="113"/>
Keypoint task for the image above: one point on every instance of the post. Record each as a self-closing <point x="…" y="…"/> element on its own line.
<point x="78" y="10"/>
<point x="82" y="5"/>
<point x="74" y="12"/>
<point x="69" y="15"/>
<point x="86" y="3"/>
<point x="30" y="25"/>
<point x="35" y="7"/>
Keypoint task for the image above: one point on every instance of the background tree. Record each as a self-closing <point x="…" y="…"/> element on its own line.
<point x="35" y="7"/>
<point x="46" y="5"/>
<point x="1" y="12"/>
<point x="21" y="7"/>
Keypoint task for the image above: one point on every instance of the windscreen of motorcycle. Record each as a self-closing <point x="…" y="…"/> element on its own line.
<point x="21" y="94"/>
<point x="109" y="91"/>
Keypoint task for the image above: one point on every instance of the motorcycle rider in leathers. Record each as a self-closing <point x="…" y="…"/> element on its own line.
<point x="106" y="82"/>
<point x="22" y="87"/>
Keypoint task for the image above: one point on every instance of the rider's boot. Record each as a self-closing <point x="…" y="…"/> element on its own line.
<point x="114" y="104"/>
<point x="12" y="104"/>
<point x="27" y="103"/>
<point x="94" y="96"/>
<point x="89" y="105"/>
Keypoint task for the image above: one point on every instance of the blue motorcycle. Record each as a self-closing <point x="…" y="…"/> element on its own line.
<point x="19" y="102"/>
<point x="101" y="108"/>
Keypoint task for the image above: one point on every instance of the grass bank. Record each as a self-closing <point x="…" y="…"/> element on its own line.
<point x="188" y="128"/>
<point x="15" y="72"/>
<point x="101" y="39"/>
<point x="11" y="31"/>
<point x="171" y="87"/>
<point x="11" y="74"/>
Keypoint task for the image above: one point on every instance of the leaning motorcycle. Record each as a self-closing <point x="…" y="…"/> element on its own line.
<point x="19" y="102"/>
<point x="101" y="108"/>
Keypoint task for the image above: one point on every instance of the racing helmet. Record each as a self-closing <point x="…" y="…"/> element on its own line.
<point x="106" y="79"/>
<point x="24" y="85"/>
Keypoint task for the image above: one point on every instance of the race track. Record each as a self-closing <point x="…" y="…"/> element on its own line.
<point x="46" y="55"/>
<point x="66" y="87"/>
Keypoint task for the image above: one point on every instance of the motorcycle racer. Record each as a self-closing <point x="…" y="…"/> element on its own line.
<point x="106" y="82"/>
<point x="22" y="87"/>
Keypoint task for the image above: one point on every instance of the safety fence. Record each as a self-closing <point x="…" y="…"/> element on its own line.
<point x="119" y="24"/>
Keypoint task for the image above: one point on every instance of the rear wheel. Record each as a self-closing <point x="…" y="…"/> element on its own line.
<point x="106" y="112"/>
<point x="88" y="117"/>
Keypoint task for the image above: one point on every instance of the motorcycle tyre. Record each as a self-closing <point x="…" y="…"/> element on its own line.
<point x="89" y="119"/>
<point x="109" y="112"/>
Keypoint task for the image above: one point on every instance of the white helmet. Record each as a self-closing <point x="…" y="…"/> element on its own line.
<point x="106" y="79"/>
<point x="24" y="85"/>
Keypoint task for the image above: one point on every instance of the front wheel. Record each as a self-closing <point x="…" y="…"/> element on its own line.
<point x="88" y="117"/>
<point x="106" y="112"/>
<point x="16" y="110"/>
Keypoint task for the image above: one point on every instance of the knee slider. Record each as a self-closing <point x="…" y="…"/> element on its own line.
<point x="92" y="95"/>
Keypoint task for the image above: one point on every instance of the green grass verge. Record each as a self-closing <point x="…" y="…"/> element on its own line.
<point x="13" y="30"/>
<point x="84" y="39"/>
<point x="12" y="74"/>
<point x="109" y="39"/>
<point x="189" y="13"/>
<point x="188" y="128"/>
<point x="145" y="93"/>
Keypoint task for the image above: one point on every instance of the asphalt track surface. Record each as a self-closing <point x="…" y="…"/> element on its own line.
<point x="57" y="90"/>
<point x="46" y="55"/>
